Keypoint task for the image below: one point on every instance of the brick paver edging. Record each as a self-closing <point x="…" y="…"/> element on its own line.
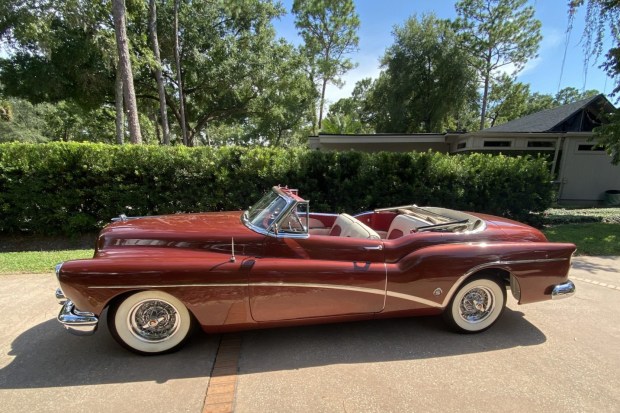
<point x="220" y="395"/>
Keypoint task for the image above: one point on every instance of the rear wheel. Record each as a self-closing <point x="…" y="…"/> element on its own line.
<point x="476" y="306"/>
<point x="150" y="322"/>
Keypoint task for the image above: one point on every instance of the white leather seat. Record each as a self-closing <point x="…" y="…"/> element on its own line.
<point x="404" y="225"/>
<point x="347" y="226"/>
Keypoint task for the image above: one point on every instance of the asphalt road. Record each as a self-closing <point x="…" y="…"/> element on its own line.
<point x="552" y="356"/>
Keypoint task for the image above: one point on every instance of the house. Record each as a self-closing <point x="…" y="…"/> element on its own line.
<point x="584" y="171"/>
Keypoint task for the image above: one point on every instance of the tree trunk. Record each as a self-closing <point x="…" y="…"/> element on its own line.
<point x="322" y="102"/>
<point x="163" y="112"/>
<point x="485" y="93"/>
<point x="177" y="58"/>
<point x="485" y="97"/>
<point x="118" y="100"/>
<point x="122" y="45"/>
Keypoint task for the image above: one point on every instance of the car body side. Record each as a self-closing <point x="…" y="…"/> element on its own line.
<point x="232" y="278"/>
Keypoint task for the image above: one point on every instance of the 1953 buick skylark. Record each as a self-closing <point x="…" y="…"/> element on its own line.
<point x="278" y="264"/>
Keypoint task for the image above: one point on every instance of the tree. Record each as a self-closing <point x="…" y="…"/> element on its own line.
<point x="329" y="30"/>
<point x="508" y="100"/>
<point x="602" y="17"/>
<point x="344" y="124"/>
<point x="6" y="111"/>
<point x="229" y="60"/>
<point x="354" y="110"/>
<point x="499" y="34"/>
<point x="124" y="61"/>
<point x="163" y="109"/>
<point x="281" y="107"/>
<point x="424" y="81"/>
<point x="177" y="62"/>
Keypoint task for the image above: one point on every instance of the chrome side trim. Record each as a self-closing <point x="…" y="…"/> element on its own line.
<point x="166" y="286"/>
<point x="365" y="290"/>
<point x="79" y="323"/>
<point x="563" y="290"/>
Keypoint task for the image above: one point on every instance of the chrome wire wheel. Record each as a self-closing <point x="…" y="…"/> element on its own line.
<point x="153" y="320"/>
<point x="149" y="322"/>
<point x="476" y="305"/>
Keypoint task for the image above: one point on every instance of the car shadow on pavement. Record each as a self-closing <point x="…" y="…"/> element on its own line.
<point x="377" y="341"/>
<point x="48" y="356"/>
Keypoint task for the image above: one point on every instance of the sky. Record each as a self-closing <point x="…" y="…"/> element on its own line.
<point x="544" y="74"/>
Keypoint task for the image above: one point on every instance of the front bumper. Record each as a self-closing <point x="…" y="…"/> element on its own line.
<point x="563" y="290"/>
<point x="77" y="322"/>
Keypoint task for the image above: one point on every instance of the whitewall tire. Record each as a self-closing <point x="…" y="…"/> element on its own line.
<point x="476" y="306"/>
<point x="150" y="322"/>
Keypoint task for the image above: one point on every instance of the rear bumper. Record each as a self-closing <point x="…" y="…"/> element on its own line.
<point x="76" y="322"/>
<point x="563" y="290"/>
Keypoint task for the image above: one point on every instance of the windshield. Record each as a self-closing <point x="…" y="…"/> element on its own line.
<point x="266" y="210"/>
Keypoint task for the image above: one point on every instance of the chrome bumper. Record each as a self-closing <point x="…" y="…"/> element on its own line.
<point x="563" y="290"/>
<point x="77" y="322"/>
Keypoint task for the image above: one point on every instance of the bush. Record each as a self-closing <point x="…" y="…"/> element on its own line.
<point x="69" y="188"/>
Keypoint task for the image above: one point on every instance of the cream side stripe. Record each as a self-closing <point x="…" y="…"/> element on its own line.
<point x="294" y="285"/>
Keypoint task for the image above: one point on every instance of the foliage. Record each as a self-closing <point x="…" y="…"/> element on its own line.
<point x="509" y="100"/>
<point x="234" y="70"/>
<point x="608" y="135"/>
<point x="424" y="82"/>
<point x="65" y="120"/>
<point x="339" y="123"/>
<point x="329" y="30"/>
<point x="71" y="188"/>
<point x="498" y="34"/>
<point x="591" y="239"/>
<point x="602" y="17"/>
<point x="352" y="113"/>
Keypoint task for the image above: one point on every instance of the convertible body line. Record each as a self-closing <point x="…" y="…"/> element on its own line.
<point x="278" y="264"/>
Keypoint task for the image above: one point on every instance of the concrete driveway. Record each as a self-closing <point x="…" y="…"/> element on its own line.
<point x="551" y="356"/>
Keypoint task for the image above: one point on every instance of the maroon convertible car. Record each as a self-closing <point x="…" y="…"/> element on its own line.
<point x="279" y="264"/>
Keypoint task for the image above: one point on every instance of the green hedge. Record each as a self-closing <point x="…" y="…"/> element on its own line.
<point x="68" y="188"/>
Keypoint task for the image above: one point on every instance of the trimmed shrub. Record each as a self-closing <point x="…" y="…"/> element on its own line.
<point x="69" y="188"/>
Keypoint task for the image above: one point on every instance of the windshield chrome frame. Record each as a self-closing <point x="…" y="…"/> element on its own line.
<point x="290" y="204"/>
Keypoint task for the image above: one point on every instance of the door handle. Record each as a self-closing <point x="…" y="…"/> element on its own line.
<point x="374" y="248"/>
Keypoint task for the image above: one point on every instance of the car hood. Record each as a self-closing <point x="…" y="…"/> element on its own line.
<point x="212" y="231"/>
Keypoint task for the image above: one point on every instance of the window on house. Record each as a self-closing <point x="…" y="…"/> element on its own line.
<point x="497" y="144"/>
<point x="461" y="145"/>
<point x="589" y="147"/>
<point x="540" y="144"/>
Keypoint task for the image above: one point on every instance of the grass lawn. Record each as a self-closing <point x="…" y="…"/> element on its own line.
<point x="38" y="261"/>
<point x="591" y="238"/>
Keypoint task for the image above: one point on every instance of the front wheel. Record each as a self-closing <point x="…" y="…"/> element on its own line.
<point x="476" y="306"/>
<point x="149" y="322"/>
